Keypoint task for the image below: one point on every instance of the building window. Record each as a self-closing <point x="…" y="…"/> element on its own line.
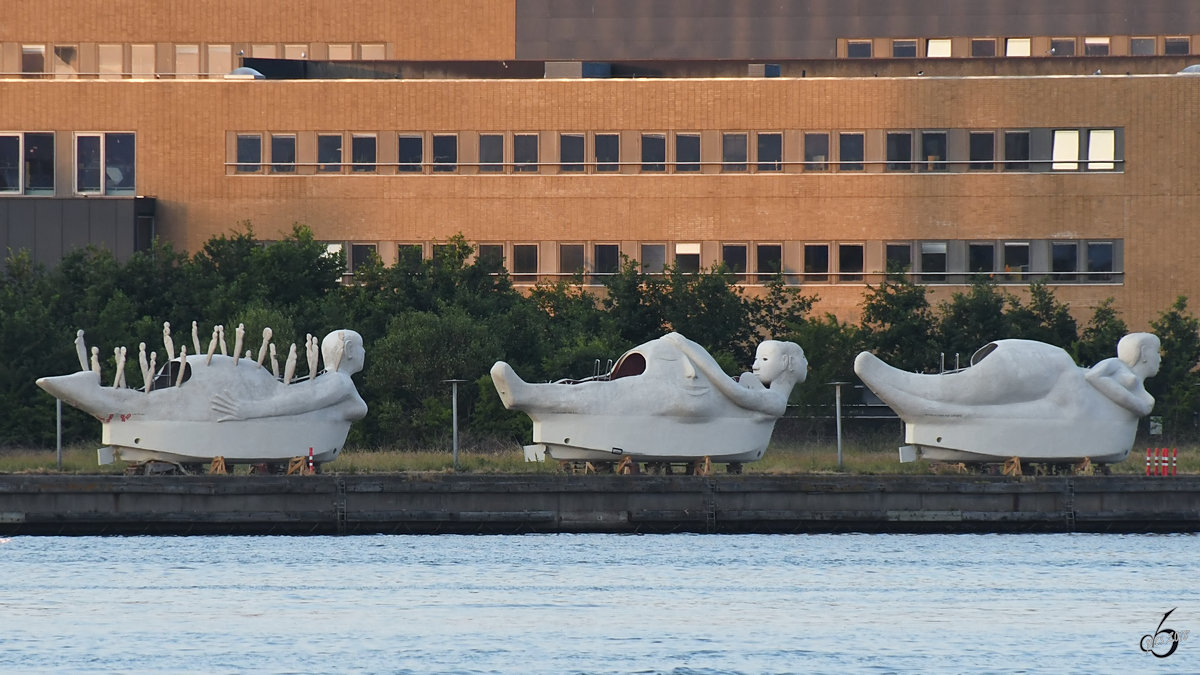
<point x="1142" y="46"/>
<point x="329" y="153"/>
<point x="525" y="263"/>
<point x="904" y="49"/>
<point x="33" y="60"/>
<point x="816" y="262"/>
<point x="491" y="152"/>
<point x="608" y="151"/>
<point x="66" y="61"/>
<point x="816" y="152"/>
<point x="1064" y="261"/>
<point x="1095" y="46"/>
<point x="654" y="152"/>
<point x="654" y="258"/>
<point x="1062" y="47"/>
<point x="445" y="152"/>
<point x="1016" y="261"/>
<point x="770" y="152"/>
<point x="1066" y="150"/>
<point x="858" y="49"/>
<point x="1177" y="46"/>
<point x="1100" y="260"/>
<point x="850" y="262"/>
<point x="570" y="259"/>
<point x="341" y="52"/>
<point x="525" y="152"/>
<point x="933" y="151"/>
<point x="143" y="58"/>
<point x="570" y="152"/>
<point x="111" y="61"/>
<point x="850" y="152"/>
<point x="983" y="47"/>
<point x="899" y="151"/>
<point x="295" y="52"/>
<point x="898" y="258"/>
<point x="733" y="256"/>
<point x="490" y="255"/>
<point x="733" y="152"/>
<point x="283" y="153"/>
<point x="361" y="254"/>
<point x="220" y="60"/>
<point x="187" y="61"/>
<point x="363" y="153"/>
<point x="933" y="261"/>
<point x="264" y="51"/>
<point x="11" y="163"/>
<point x="1017" y="47"/>
<point x="373" y="52"/>
<point x="982" y="150"/>
<point x="687" y="258"/>
<point x="104" y="163"/>
<point x="1016" y="151"/>
<point x="411" y="154"/>
<point x="938" y="48"/>
<point x="249" y="153"/>
<point x="1101" y="149"/>
<point x="687" y="152"/>
<point x="981" y="258"/>
<point x="606" y="260"/>
<point x="27" y="163"/>
<point x="768" y="261"/>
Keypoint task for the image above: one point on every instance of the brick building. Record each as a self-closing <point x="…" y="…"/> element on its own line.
<point x="1032" y="139"/>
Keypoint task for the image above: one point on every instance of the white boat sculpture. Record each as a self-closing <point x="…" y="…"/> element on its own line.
<point x="1021" y="398"/>
<point x="201" y="406"/>
<point x="663" y="401"/>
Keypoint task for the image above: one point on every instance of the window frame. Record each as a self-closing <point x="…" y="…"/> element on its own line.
<point x="410" y="139"/>
<point x="21" y="168"/>
<point x="284" y="167"/>
<point x="241" y="167"/>
<point x="531" y="139"/>
<point x="574" y="143"/>
<point x="608" y="163"/>
<point x="649" y="165"/>
<point x="364" y="167"/>
<point x="773" y="164"/>
<point x="445" y="159"/>
<point x="324" y="166"/>
<point x="105" y="163"/>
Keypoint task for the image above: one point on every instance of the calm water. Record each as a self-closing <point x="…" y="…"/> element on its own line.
<point x="598" y="603"/>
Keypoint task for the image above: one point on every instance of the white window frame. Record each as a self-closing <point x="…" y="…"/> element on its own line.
<point x="1102" y="149"/>
<point x="1017" y="47"/>
<point x="103" y="136"/>
<point x="20" y="136"/>
<point x="937" y="48"/>
<point x="1065" y="155"/>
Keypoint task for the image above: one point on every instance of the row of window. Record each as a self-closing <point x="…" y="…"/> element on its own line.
<point x="921" y="150"/>
<point x="179" y="60"/>
<point x="984" y="47"/>
<point x="103" y="163"/>
<point x="938" y="261"/>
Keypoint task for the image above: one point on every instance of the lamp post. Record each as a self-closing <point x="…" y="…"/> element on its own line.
<point x="454" y="415"/>
<point x="837" y="407"/>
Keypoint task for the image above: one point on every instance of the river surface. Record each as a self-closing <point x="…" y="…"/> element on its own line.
<point x="600" y="603"/>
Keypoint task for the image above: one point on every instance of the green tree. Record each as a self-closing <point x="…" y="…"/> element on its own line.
<point x="1098" y="340"/>
<point x="1044" y="319"/>
<point x="971" y="319"/>
<point x="1175" y="387"/>
<point x="898" y="324"/>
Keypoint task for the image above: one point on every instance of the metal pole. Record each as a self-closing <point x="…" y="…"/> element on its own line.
<point x="837" y="388"/>
<point x="454" y="416"/>
<point x="58" y="428"/>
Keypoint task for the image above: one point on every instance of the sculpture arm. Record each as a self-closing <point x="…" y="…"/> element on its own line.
<point x="323" y="392"/>
<point x="1113" y="378"/>
<point x="759" y="400"/>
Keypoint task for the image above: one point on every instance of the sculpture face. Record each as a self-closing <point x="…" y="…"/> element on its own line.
<point x="772" y="360"/>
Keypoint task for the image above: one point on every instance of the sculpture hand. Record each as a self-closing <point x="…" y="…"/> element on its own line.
<point x="226" y="408"/>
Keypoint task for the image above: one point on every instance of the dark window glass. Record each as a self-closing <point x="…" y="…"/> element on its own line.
<point x="654" y="258"/>
<point x="606" y="259"/>
<point x="816" y="262"/>
<point x="904" y="49"/>
<point x="10" y="164"/>
<point x="249" y="153"/>
<point x="411" y="154"/>
<point x="1016" y="261"/>
<point x="1099" y="260"/>
<point x="983" y="150"/>
<point x="33" y="61"/>
<point x="490" y="256"/>
<point x="570" y="152"/>
<point x="525" y="262"/>
<point x="491" y="152"/>
<point x="283" y="154"/>
<point x="445" y="152"/>
<point x="858" y="49"/>
<point x="329" y="153"/>
<point x="362" y="153"/>
<point x="654" y="152"/>
<point x="1095" y="47"/>
<point x="608" y="152"/>
<point x="933" y="151"/>
<point x="687" y="152"/>
<point x="1176" y="46"/>
<point x="734" y="258"/>
<point x="850" y="152"/>
<point x="770" y="152"/>
<point x="769" y="261"/>
<point x="816" y="152"/>
<point x="933" y="261"/>
<point x="1016" y="151"/>
<point x="1062" y="47"/>
<point x="899" y="151"/>
<point x="850" y="262"/>
<point x="1142" y="47"/>
<point x="733" y="152"/>
<point x="688" y="263"/>
<point x="570" y="258"/>
<point x="525" y="152"/>
<point x="981" y="258"/>
<point x="39" y="163"/>
<point x="983" y="47"/>
<point x="898" y="257"/>
<point x="1064" y="260"/>
<point x="119" y="163"/>
<point x="360" y="254"/>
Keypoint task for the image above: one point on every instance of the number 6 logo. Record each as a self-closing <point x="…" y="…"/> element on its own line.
<point x="1156" y="641"/>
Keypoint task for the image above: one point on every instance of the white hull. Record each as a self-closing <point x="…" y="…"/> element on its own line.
<point x="652" y="438"/>
<point x="245" y="441"/>
<point x="1032" y="440"/>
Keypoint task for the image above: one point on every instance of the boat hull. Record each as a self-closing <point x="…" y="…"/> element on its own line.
<point x="652" y="438"/>
<point x="243" y="441"/>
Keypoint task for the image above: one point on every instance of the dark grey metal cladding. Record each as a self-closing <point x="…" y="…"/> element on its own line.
<point x="51" y="228"/>
<point x="808" y="29"/>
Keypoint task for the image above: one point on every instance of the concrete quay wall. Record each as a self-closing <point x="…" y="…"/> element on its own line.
<point x="512" y="504"/>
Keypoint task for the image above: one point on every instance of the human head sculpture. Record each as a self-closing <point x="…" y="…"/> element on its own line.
<point x="775" y="357"/>
<point x="342" y="351"/>
<point x="1140" y="351"/>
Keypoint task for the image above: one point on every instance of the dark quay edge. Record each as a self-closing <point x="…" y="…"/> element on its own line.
<point x="441" y="503"/>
